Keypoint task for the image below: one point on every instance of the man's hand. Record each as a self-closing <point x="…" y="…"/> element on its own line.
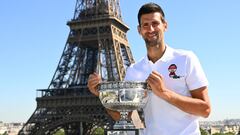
<point x="155" y="81"/>
<point x="93" y="82"/>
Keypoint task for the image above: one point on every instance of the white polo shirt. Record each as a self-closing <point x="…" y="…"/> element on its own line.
<point x="182" y="73"/>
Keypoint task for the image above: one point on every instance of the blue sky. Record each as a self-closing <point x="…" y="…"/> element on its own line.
<point x="33" y="34"/>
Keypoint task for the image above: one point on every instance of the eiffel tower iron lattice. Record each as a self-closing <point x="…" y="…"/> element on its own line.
<point x="97" y="42"/>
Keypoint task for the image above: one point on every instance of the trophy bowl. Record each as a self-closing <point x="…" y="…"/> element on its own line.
<point x="124" y="97"/>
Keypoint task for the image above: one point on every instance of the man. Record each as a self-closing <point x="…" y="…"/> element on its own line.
<point x="179" y="86"/>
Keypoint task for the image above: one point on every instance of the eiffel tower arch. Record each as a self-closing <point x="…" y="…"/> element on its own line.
<point x="96" y="42"/>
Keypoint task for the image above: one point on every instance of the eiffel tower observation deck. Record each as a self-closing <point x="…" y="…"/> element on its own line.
<point x="96" y="42"/>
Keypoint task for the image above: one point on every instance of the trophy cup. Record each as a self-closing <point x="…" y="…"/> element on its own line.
<point x="124" y="97"/>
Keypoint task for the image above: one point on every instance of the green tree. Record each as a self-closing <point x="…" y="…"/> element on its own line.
<point x="203" y="132"/>
<point x="98" y="131"/>
<point x="229" y="133"/>
<point x="60" y="132"/>
<point x="5" y="133"/>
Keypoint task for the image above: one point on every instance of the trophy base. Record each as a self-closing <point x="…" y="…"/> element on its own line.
<point x="123" y="125"/>
<point x="122" y="132"/>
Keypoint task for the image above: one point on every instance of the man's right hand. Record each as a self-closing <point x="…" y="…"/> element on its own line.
<point x="93" y="82"/>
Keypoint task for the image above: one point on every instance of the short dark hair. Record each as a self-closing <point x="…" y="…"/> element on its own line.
<point x="150" y="8"/>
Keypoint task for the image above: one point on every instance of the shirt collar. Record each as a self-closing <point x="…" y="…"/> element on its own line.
<point x="166" y="56"/>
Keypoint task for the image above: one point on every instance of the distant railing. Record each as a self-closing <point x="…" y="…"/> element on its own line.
<point x="73" y="91"/>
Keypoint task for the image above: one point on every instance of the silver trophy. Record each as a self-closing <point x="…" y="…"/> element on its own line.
<point x="124" y="97"/>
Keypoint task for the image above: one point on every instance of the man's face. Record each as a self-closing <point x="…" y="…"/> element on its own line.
<point x="152" y="28"/>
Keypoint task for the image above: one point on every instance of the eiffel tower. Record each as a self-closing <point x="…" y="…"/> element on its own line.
<point x="96" y="42"/>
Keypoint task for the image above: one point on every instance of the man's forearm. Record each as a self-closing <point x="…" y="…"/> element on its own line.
<point x="192" y="105"/>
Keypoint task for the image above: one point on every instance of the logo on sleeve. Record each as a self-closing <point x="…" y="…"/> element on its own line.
<point x="172" y="71"/>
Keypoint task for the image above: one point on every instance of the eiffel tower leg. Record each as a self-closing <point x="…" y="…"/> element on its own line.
<point x="81" y="128"/>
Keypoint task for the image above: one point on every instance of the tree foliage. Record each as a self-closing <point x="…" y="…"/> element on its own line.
<point x="203" y="132"/>
<point x="5" y="133"/>
<point x="99" y="131"/>
<point x="60" y="132"/>
<point x="229" y="133"/>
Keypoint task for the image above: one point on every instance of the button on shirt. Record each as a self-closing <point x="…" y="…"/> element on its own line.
<point x="182" y="72"/>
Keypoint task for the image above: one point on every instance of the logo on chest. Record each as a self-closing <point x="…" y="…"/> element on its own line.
<point x="172" y="71"/>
